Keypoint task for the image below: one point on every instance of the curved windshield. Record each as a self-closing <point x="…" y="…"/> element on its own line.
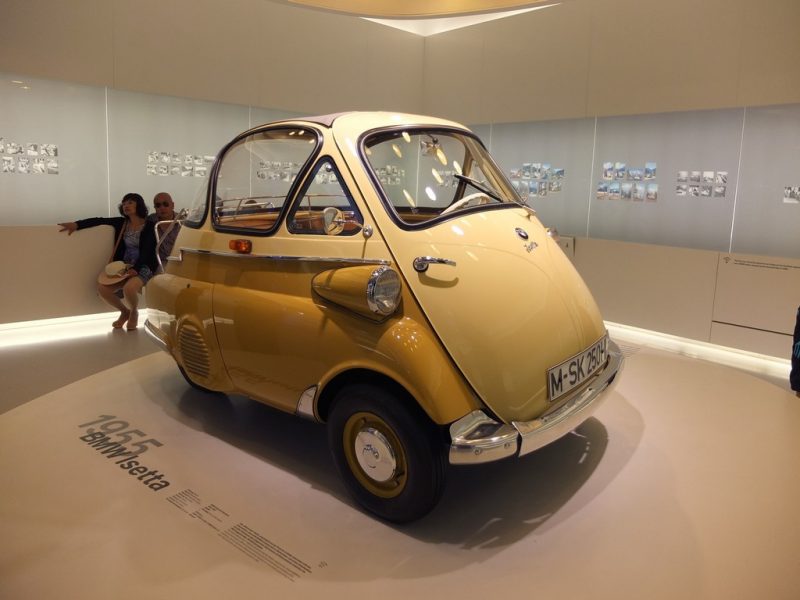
<point x="430" y="173"/>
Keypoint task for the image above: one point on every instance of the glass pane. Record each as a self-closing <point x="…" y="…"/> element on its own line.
<point x="324" y="190"/>
<point x="426" y="174"/>
<point x="256" y="176"/>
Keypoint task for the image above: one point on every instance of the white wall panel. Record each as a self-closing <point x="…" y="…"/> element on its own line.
<point x="767" y="221"/>
<point x="70" y="117"/>
<point x="664" y="289"/>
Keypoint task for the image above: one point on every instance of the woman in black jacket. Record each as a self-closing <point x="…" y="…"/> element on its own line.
<point x="135" y="245"/>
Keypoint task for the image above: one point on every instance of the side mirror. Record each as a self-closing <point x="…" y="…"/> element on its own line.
<point x="333" y="220"/>
<point x="334" y="223"/>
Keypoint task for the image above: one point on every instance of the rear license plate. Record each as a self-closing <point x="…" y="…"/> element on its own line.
<point x="574" y="371"/>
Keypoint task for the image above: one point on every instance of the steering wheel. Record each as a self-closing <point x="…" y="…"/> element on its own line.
<point x="464" y="201"/>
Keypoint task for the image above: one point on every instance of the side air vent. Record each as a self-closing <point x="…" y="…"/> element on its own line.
<point x="194" y="351"/>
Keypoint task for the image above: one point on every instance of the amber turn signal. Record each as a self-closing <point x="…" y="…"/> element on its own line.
<point x="241" y="246"/>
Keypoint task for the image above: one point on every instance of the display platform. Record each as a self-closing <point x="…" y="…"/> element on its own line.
<point x="684" y="485"/>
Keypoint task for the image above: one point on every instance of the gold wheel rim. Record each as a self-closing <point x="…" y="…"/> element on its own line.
<point x="375" y="455"/>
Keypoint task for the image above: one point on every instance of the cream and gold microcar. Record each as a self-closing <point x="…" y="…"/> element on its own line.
<point x="378" y="273"/>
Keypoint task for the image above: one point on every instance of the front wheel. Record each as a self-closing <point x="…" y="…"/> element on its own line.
<point x="390" y="458"/>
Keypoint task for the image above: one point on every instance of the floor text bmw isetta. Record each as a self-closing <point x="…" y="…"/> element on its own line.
<point x="378" y="273"/>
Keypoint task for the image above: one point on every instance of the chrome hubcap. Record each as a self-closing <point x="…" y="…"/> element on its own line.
<point x="375" y="455"/>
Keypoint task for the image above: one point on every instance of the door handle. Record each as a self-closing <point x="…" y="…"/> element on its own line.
<point x="421" y="262"/>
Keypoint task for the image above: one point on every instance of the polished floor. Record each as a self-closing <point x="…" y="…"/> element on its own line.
<point x="684" y="485"/>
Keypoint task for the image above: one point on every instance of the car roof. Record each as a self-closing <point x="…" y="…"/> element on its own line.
<point x="360" y="121"/>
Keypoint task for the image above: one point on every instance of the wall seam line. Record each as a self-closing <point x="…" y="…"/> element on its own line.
<point x="738" y="178"/>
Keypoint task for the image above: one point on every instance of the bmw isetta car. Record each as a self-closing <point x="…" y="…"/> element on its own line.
<point x="378" y="273"/>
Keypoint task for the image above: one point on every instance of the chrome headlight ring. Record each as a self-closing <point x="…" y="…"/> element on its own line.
<point x="383" y="291"/>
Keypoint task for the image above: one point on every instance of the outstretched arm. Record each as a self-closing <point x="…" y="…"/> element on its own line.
<point x="70" y="228"/>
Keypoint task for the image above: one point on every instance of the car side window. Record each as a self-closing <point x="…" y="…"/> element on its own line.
<point x="325" y="205"/>
<point x="256" y="176"/>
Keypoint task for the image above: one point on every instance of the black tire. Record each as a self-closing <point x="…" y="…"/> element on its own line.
<point x="196" y="386"/>
<point x="401" y="470"/>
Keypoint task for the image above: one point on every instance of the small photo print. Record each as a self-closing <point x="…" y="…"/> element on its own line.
<point x="198" y="161"/>
<point x="694" y="176"/>
<point x="152" y="158"/>
<point x="152" y="170"/>
<point x="721" y="178"/>
<point x="536" y="170"/>
<point x="719" y="191"/>
<point x="176" y="158"/>
<point x="23" y="165"/>
<point x="49" y="150"/>
<point x="652" y="192"/>
<point x="608" y="171"/>
<point x="533" y="187"/>
<point x="705" y="191"/>
<point x="636" y="174"/>
<point x="620" y="170"/>
<point x="188" y="159"/>
<point x="163" y="157"/>
<point x="174" y="170"/>
<point x="38" y="167"/>
<point x="546" y="170"/>
<point x="208" y="159"/>
<point x="602" y="190"/>
<point x="694" y="190"/>
<point x="200" y="171"/>
<point x="13" y="148"/>
<point x="638" y="192"/>
<point x="683" y="176"/>
<point x="555" y="185"/>
<point x="708" y="176"/>
<point x="791" y="194"/>
<point x="9" y="165"/>
<point x="163" y="170"/>
<point x="613" y="191"/>
<point x="627" y="191"/>
<point x="188" y="170"/>
<point x="52" y="166"/>
<point x="558" y="173"/>
<point x="542" y="189"/>
<point x="526" y="170"/>
<point x="2" y="145"/>
<point x="681" y="189"/>
<point x="650" y="169"/>
<point x="33" y="149"/>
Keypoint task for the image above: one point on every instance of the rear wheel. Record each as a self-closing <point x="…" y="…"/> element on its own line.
<point x="390" y="457"/>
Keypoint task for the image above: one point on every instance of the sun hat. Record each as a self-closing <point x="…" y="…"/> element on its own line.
<point x="114" y="272"/>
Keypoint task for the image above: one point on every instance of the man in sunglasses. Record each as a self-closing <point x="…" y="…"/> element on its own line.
<point x="165" y="211"/>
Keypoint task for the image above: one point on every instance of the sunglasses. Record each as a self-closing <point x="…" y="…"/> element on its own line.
<point x="160" y="204"/>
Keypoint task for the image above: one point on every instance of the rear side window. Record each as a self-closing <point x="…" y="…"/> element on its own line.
<point x="256" y="176"/>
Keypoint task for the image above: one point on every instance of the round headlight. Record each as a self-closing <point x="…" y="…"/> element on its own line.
<point x="383" y="291"/>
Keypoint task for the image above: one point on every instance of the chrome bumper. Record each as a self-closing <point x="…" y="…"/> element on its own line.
<point x="477" y="438"/>
<point x="155" y="335"/>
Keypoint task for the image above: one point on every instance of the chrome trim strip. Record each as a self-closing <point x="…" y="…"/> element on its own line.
<point x="305" y="404"/>
<point x="477" y="438"/>
<point x="325" y="259"/>
<point x="151" y="331"/>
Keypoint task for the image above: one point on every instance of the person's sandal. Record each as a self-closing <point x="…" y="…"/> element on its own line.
<point x="133" y="320"/>
<point x="123" y="316"/>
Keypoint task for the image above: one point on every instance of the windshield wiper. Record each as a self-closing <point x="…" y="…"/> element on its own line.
<point x="478" y="185"/>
